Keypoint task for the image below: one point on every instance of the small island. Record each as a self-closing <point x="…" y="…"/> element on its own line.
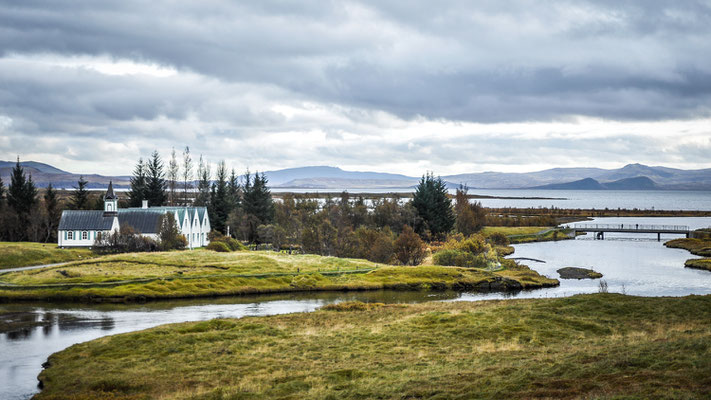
<point x="578" y="273"/>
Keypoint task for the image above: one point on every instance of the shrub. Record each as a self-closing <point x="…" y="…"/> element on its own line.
<point x="126" y="240"/>
<point x="409" y="248"/>
<point x="230" y="243"/>
<point x="221" y="247"/>
<point x="498" y="239"/>
<point x="446" y="257"/>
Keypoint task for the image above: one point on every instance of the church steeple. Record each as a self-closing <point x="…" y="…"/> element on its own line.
<point x="110" y="200"/>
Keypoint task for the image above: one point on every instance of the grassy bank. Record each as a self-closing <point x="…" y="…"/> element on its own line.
<point x="202" y="273"/>
<point x="699" y="263"/>
<point x="587" y="346"/>
<point x="23" y="254"/>
<point x="699" y="247"/>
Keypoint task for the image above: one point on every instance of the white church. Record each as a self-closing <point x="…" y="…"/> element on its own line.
<point x="79" y="228"/>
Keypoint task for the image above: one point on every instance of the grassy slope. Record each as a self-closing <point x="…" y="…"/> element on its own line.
<point x="23" y="254"/>
<point x="205" y="273"/>
<point x="592" y="346"/>
<point x="514" y="230"/>
<point x="699" y="247"/>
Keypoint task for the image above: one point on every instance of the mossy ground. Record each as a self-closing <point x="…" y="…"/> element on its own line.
<point x="23" y="254"/>
<point x="699" y="247"/>
<point x="586" y="346"/>
<point x="699" y="263"/>
<point x="202" y="273"/>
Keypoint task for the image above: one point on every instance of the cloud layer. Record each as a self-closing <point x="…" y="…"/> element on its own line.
<point x="446" y="86"/>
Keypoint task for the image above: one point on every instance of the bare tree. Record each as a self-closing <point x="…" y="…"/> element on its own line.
<point x="173" y="171"/>
<point x="187" y="174"/>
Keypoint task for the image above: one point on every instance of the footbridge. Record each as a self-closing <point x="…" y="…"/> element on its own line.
<point x="600" y="229"/>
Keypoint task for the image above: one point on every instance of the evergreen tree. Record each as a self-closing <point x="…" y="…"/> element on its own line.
<point x="80" y="196"/>
<point x="233" y="190"/>
<point x="203" y="195"/>
<point x="2" y="194"/>
<point x="187" y="174"/>
<point x="155" y="182"/>
<point x="21" y="194"/>
<point x="137" y="192"/>
<point x="52" y="215"/>
<point x="433" y="206"/>
<point x="219" y="207"/>
<point x="173" y="171"/>
<point x="258" y="199"/>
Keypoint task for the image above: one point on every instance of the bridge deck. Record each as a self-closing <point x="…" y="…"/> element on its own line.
<point x="601" y="229"/>
<point x="631" y="228"/>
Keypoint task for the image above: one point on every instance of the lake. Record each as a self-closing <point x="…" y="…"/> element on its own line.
<point x="686" y="200"/>
<point x="634" y="264"/>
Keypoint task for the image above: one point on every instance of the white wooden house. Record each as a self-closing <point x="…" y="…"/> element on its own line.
<point x="79" y="228"/>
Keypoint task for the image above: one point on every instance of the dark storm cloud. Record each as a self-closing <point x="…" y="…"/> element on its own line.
<point x="491" y="61"/>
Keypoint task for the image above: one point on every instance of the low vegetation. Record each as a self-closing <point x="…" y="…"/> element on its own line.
<point x="23" y="254"/>
<point x="200" y="273"/>
<point x="699" y="263"/>
<point x="699" y="245"/>
<point x="578" y="273"/>
<point x="586" y="346"/>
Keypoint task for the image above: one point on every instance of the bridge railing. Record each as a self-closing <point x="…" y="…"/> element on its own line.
<point x="631" y="227"/>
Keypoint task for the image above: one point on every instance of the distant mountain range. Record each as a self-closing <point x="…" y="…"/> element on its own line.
<point x="43" y="174"/>
<point x="629" y="177"/>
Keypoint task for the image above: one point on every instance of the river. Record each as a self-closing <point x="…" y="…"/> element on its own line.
<point x="633" y="264"/>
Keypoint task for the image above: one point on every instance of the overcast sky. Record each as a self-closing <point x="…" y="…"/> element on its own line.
<point x="392" y="86"/>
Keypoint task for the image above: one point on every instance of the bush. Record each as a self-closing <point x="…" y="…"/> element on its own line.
<point x="498" y="239"/>
<point x="446" y="257"/>
<point x="472" y="252"/>
<point x="230" y="244"/>
<point x="126" y="240"/>
<point x="221" y="247"/>
<point x="409" y="248"/>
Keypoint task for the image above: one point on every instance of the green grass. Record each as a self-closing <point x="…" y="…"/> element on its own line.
<point x="23" y="254"/>
<point x="203" y="273"/>
<point x="586" y="346"/>
<point x="699" y="263"/>
<point x="699" y="247"/>
<point x="513" y="230"/>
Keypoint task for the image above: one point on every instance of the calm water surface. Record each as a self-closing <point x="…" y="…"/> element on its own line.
<point x="598" y="199"/>
<point x="634" y="264"/>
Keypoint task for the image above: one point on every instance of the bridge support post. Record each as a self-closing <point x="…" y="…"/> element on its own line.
<point x="659" y="237"/>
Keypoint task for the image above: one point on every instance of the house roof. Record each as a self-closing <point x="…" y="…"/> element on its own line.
<point x="110" y="192"/>
<point x="93" y="220"/>
<point x="142" y="221"/>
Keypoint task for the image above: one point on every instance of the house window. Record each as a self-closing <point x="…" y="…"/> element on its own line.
<point x="70" y="235"/>
<point x="85" y="235"/>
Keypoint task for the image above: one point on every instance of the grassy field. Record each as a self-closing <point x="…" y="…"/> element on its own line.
<point x="202" y="273"/>
<point x="23" y="254"/>
<point x="586" y="346"/>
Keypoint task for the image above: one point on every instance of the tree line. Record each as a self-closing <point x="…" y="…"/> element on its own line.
<point x="241" y="206"/>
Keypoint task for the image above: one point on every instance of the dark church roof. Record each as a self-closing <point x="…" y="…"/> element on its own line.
<point x="85" y="220"/>
<point x="110" y="192"/>
<point x="142" y="221"/>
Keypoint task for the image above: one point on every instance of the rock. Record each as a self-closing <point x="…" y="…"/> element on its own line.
<point x="578" y="273"/>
